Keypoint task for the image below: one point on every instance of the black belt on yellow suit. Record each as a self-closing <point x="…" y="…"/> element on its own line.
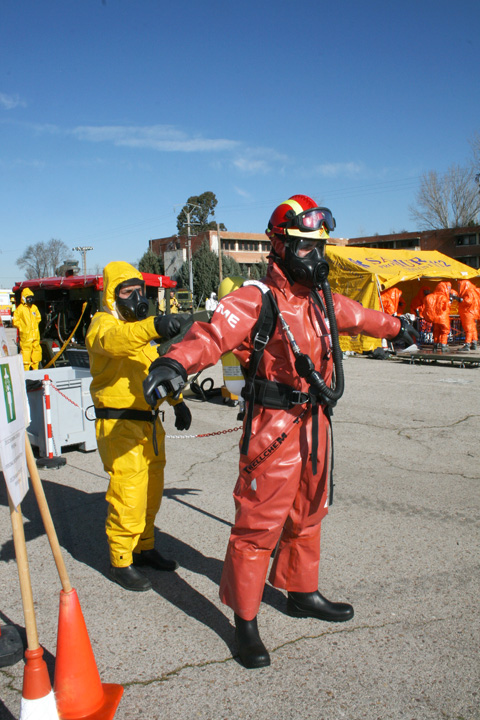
<point x="106" y="413"/>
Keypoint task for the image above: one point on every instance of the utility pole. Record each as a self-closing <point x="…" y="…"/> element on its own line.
<point x="188" y="212"/>
<point x="220" y="269"/>
<point x="84" y="251"/>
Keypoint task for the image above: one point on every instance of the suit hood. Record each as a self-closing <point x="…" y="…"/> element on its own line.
<point x="113" y="274"/>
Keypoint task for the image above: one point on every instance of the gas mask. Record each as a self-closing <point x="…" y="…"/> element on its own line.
<point x="29" y="300"/>
<point x="305" y="261"/>
<point x="135" y="306"/>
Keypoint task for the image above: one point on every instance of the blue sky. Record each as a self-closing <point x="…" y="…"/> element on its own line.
<point x="114" y="112"/>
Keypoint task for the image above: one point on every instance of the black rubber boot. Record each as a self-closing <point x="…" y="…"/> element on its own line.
<point x="153" y="559"/>
<point x="251" y="649"/>
<point x="129" y="578"/>
<point x="473" y="346"/>
<point x="315" y="605"/>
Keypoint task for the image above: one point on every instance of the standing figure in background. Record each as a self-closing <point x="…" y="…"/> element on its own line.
<point x="26" y="319"/>
<point x="417" y="301"/>
<point x="392" y="301"/>
<point x="469" y="311"/>
<point x="436" y="309"/>
<point x="174" y="307"/>
<point x="121" y="343"/>
<point x="211" y="302"/>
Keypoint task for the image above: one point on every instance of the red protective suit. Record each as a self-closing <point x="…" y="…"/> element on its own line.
<point x="436" y="309"/>
<point x="418" y="300"/>
<point x="469" y="309"/>
<point x="277" y="496"/>
<point x="392" y="301"/>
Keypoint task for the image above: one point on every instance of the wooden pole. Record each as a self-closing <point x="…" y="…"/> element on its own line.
<point x="46" y="517"/>
<point x="24" y="575"/>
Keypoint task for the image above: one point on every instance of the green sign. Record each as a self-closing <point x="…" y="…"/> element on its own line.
<point x="8" y="393"/>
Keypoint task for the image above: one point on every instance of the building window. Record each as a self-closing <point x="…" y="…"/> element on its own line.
<point x="472" y="261"/>
<point x="466" y="240"/>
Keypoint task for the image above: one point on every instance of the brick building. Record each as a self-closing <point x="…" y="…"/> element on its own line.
<point x="462" y="244"/>
<point x="246" y="248"/>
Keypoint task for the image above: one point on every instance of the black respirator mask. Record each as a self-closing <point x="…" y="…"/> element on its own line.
<point x="29" y="299"/>
<point x="310" y="268"/>
<point x="135" y="307"/>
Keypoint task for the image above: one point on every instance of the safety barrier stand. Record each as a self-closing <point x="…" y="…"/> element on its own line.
<point x="51" y="461"/>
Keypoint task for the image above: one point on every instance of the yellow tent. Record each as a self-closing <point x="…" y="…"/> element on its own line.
<point x="362" y="273"/>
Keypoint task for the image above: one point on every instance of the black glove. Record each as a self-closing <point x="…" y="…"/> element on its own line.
<point x="183" y="416"/>
<point x="166" y="377"/>
<point x="167" y="326"/>
<point x="407" y="332"/>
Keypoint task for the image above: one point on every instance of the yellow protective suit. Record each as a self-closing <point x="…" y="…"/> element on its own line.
<point x="120" y="355"/>
<point x="27" y="318"/>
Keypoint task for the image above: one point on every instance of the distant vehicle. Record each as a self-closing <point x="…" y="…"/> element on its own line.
<point x="6" y="307"/>
<point x="67" y="305"/>
<point x="184" y="298"/>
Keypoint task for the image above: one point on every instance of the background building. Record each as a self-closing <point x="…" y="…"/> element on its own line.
<point x="246" y="248"/>
<point x="462" y="244"/>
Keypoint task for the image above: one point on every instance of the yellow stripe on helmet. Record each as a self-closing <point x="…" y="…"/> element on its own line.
<point x="296" y="207"/>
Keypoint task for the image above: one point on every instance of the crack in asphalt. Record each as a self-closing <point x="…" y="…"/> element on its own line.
<point x="188" y="666"/>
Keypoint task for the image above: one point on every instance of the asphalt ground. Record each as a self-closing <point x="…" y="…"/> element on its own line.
<point x="401" y="543"/>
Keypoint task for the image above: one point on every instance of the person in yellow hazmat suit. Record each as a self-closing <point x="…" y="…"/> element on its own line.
<point x="27" y="318"/>
<point x="122" y="342"/>
<point x="174" y="307"/>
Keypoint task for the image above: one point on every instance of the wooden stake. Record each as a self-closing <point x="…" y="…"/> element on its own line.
<point x="46" y="517"/>
<point x="24" y="575"/>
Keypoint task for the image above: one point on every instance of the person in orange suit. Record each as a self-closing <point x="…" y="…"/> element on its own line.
<point x="436" y="309"/>
<point x="417" y="301"/>
<point x="469" y="311"/>
<point x="392" y="301"/>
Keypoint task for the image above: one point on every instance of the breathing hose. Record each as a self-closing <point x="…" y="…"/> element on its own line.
<point x="328" y="394"/>
<point x="303" y="363"/>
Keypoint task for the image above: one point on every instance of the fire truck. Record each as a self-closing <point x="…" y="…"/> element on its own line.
<point x="67" y="305"/>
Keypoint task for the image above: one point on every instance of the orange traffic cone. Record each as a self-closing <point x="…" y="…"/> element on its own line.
<point x="37" y="694"/>
<point x="78" y="689"/>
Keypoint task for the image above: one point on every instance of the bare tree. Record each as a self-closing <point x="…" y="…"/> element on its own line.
<point x="475" y="143"/>
<point x="42" y="259"/>
<point x="448" y="200"/>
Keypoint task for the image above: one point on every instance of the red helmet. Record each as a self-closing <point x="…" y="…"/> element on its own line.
<point x="300" y="216"/>
<point x="298" y="230"/>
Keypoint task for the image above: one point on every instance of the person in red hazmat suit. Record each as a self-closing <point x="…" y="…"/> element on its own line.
<point x="27" y="318"/>
<point x="436" y="309"/>
<point x="469" y="311"/>
<point x="392" y="301"/>
<point x="122" y="344"/>
<point x="418" y="299"/>
<point x="282" y="489"/>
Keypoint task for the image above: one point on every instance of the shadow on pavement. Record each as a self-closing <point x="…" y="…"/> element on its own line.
<point x="79" y="519"/>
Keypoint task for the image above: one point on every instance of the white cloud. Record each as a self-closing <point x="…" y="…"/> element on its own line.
<point x="243" y="193"/>
<point x="259" y="160"/>
<point x="338" y="169"/>
<point x="9" y="102"/>
<point x="164" y="138"/>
